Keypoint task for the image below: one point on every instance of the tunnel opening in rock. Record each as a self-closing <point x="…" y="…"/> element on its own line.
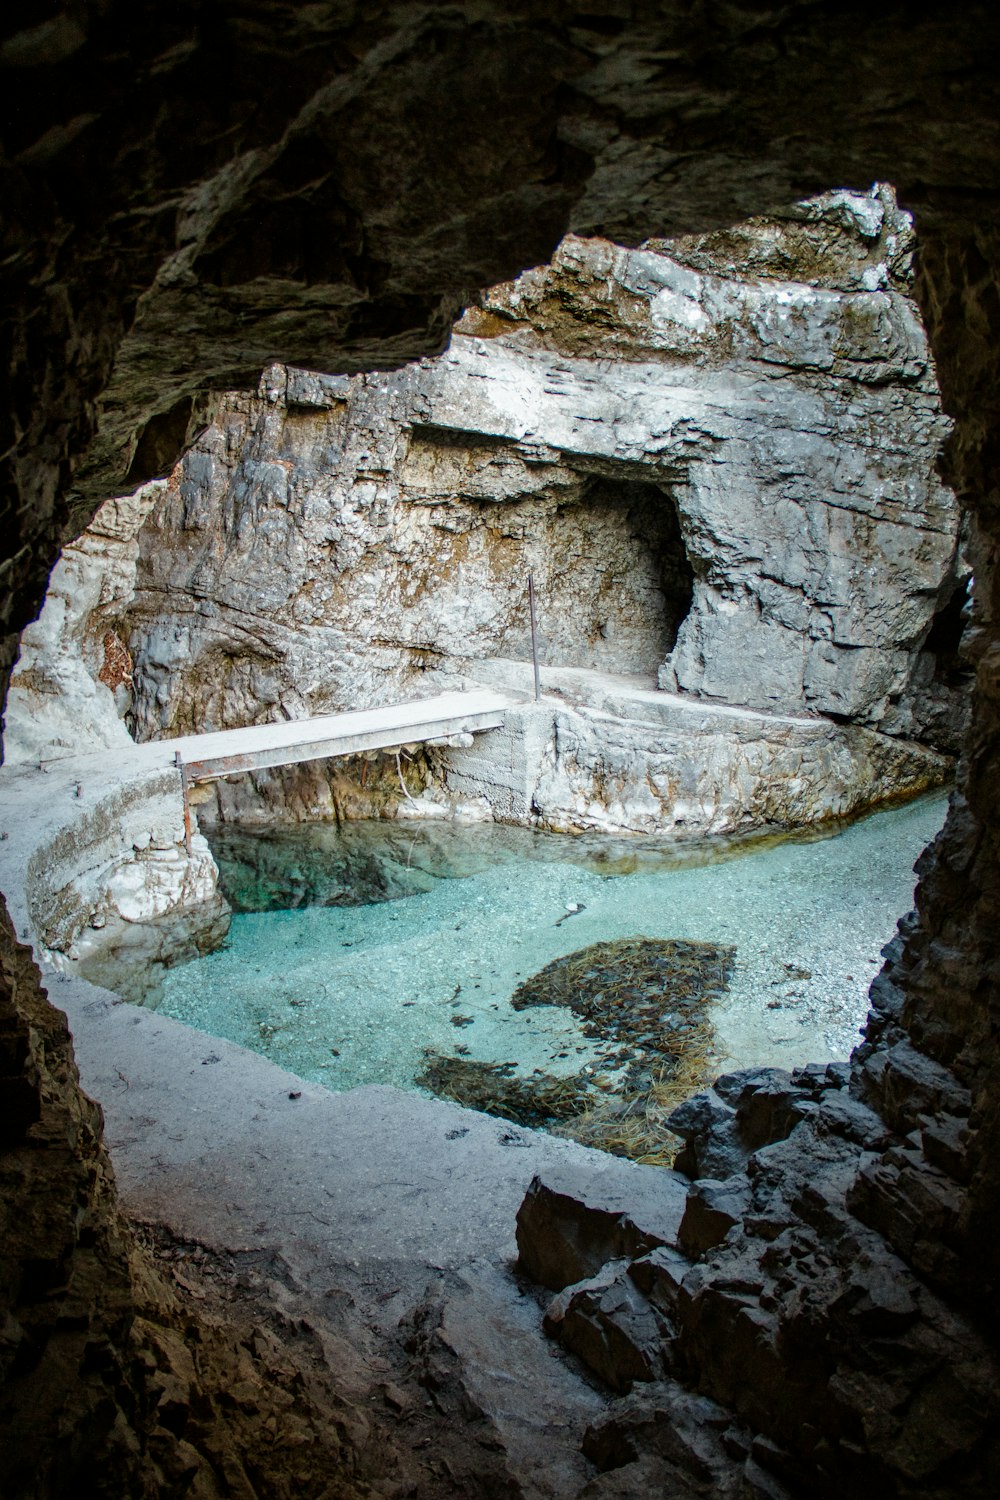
<point x="728" y="605"/>
<point x="619" y="579"/>
<point x="612" y="579"/>
<point x="947" y="636"/>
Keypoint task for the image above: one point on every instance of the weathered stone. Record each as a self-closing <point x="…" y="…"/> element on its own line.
<point x="409" y="509"/>
<point x="608" y="1324"/>
<point x="947" y="1143"/>
<point x="908" y="1084"/>
<point x="667" y="1420"/>
<point x="645" y="1476"/>
<point x="747" y="1110"/>
<point x="841" y="1114"/>
<point x="712" y="1210"/>
<point x="710" y="1131"/>
<point x="59" y="703"/>
<point x="660" y="1277"/>
<point x="112" y="874"/>
<point x="431" y="492"/>
<point x="917" y="1207"/>
<point x="571" y="1223"/>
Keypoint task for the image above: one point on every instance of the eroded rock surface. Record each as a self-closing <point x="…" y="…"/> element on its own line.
<point x="778" y="1298"/>
<point x="720" y="479"/>
<point x="73" y="682"/>
<point x="100" y="1353"/>
<point x="728" y="480"/>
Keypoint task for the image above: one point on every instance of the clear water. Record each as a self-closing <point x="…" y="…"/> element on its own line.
<point x="348" y="995"/>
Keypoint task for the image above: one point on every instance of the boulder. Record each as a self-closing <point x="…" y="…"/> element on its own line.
<point x="573" y="1220"/>
<point x="712" y="1209"/>
<point x="608" y="1323"/>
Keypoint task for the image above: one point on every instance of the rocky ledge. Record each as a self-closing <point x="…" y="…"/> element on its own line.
<point x="803" y="1330"/>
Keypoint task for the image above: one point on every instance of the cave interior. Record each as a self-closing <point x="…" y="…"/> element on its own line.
<point x="193" y="194"/>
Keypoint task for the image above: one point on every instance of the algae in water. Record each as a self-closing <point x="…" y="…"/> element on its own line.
<point x="648" y="1001"/>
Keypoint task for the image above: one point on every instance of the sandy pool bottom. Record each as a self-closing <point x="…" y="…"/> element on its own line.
<point x="349" y="995"/>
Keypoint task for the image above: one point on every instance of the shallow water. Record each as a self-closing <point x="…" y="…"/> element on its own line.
<point x="347" y="995"/>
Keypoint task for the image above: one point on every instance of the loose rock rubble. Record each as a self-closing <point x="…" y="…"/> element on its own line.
<point x="815" y="1350"/>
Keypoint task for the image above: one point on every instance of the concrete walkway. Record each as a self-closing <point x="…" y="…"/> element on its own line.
<point x="206" y="757"/>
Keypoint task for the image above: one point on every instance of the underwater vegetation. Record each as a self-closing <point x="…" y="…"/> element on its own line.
<point x="647" y="1001"/>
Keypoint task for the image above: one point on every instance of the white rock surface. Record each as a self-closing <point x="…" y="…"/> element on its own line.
<point x="723" y="481"/>
<point x="603" y="755"/>
<point x="57" y="705"/>
<point x="726" y="480"/>
<point x="108" y="852"/>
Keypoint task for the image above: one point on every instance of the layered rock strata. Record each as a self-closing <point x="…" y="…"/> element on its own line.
<point x="727" y="480"/>
<point x="720" y="478"/>
<point x="113" y="875"/>
<point x="74" y="673"/>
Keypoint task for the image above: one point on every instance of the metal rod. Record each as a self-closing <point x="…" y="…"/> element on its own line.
<point x="182" y="769"/>
<point x="534" y="636"/>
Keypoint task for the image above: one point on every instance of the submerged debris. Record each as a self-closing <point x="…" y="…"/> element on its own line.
<point x="572" y="910"/>
<point x="647" y="1000"/>
<point x="494" y="1088"/>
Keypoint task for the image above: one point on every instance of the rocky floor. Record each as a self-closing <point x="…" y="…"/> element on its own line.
<point x="379" y="1223"/>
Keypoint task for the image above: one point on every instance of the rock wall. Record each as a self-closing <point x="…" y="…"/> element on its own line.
<point x="212" y="202"/>
<point x="72" y="684"/>
<point x="721" y="482"/>
<point x="727" y="480"/>
<point x="113" y="878"/>
<point x="121" y="1376"/>
<point x="606" y="756"/>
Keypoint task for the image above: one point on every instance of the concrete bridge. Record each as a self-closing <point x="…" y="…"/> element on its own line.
<point x="208" y="757"/>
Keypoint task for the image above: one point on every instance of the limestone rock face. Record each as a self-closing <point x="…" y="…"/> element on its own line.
<point x="63" y="699"/>
<point x="329" y="185"/>
<point x="723" y="483"/>
<point x="68" y="1293"/>
<point x="725" y="480"/>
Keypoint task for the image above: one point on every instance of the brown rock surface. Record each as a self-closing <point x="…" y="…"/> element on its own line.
<point x="114" y="1381"/>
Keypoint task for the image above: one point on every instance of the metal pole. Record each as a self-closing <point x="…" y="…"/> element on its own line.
<point x="182" y="769"/>
<point x="534" y="636"/>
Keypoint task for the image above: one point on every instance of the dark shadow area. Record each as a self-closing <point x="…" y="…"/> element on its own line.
<point x="945" y="637"/>
<point x="619" y="583"/>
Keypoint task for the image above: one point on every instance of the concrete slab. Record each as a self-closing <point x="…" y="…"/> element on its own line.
<point x="209" y="756"/>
